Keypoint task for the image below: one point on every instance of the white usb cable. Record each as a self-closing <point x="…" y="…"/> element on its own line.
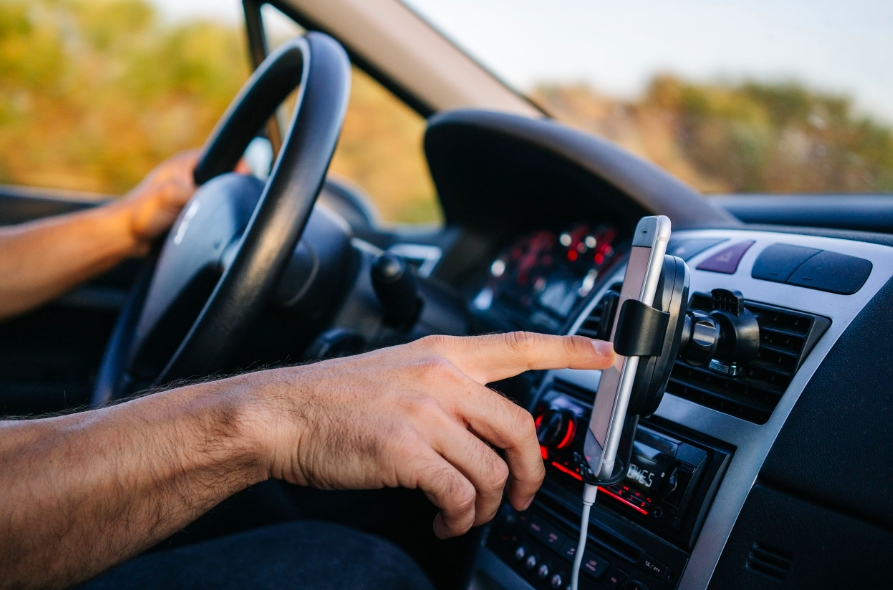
<point x="589" y="493"/>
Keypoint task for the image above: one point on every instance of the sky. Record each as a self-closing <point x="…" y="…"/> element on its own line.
<point x="838" y="46"/>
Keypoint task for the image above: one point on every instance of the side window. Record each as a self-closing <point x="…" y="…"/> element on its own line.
<point x="94" y="94"/>
<point x="380" y="149"/>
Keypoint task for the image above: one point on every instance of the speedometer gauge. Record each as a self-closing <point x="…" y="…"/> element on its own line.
<point x="545" y="273"/>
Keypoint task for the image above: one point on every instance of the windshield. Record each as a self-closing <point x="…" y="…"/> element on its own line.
<point x="763" y="96"/>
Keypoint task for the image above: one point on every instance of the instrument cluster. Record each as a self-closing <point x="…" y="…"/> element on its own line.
<point x="541" y="277"/>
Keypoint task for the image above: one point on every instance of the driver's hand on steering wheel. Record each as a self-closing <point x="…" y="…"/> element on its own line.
<point x="417" y="416"/>
<point x="156" y="201"/>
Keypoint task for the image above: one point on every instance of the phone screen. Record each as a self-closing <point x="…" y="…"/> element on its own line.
<point x="603" y="408"/>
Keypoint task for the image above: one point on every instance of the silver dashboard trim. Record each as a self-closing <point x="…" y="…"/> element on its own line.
<point x="752" y="441"/>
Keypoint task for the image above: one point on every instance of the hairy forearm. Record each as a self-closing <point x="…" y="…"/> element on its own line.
<point x="81" y="493"/>
<point x="43" y="259"/>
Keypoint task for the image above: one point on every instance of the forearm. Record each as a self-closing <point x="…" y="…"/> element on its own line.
<point x="43" y="259"/>
<point x="84" y="492"/>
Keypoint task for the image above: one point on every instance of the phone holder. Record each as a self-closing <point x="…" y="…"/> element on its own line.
<point x="653" y="333"/>
<point x="720" y="329"/>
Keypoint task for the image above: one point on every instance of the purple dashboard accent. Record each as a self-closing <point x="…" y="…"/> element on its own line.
<point x="726" y="260"/>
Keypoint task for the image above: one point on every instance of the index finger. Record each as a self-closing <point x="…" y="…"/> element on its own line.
<point x="499" y="356"/>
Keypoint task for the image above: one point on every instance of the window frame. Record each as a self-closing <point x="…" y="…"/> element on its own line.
<point x="258" y="49"/>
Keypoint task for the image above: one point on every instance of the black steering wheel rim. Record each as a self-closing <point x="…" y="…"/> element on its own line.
<point x="318" y="67"/>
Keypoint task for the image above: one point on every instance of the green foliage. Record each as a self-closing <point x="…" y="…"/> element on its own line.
<point x="94" y="93"/>
<point x="755" y="137"/>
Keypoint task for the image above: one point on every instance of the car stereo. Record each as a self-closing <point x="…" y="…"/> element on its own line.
<point x="670" y="478"/>
<point x="644" y="526"/>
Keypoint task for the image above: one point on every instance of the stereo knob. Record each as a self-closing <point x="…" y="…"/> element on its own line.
<point x="555" y="429"/>
<point x="543" y="572"/>
<point x="520" y="552"/>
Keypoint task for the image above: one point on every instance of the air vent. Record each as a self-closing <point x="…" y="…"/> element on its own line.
<point x="580" y="393"/>
<point x="589" y="327"/>
<point x="752" y="390"/>
<point x="769" y="562"/>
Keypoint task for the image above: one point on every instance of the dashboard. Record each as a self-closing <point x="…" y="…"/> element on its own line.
<point x="541" y="277"/>
<point x="698" y="460"/>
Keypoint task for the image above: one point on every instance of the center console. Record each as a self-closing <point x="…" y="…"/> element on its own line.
<point x="644" y="526"/>
<point x="695" y="460"/>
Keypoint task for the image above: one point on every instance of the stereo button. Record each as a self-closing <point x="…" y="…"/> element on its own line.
<point x="616" y="578"/>
<point x="653" y="566"/>
<point x="594" y="565"/>
<point x="569" y="549"/>
<point x="531" y="562"/>
<point x="545" y="533"/>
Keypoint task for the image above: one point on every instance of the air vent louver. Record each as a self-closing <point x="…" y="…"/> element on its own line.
<point x="786" y="337"/>
<point x="589" y="327"/>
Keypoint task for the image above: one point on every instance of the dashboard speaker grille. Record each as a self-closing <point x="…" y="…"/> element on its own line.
<point x="751" y="391"/>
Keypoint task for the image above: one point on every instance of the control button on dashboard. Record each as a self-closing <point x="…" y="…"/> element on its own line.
<point x="779" y="261"/>
<point x="530" y="563"/>
<point x="594" y="565"/>
<point x="634" y="585"/>
<point x="688" y="249"/>
<point x="555" y="582"/>
<point x="726" y="260"/>
<point x="830" y="271"/>
<point x="520" y="552"/>
<point x="547" y="534"/>
<point x="616" y="578"/>
<point x="543" y="572"/>
<point x="569" y="549"/>
<point x="653" y="566"/>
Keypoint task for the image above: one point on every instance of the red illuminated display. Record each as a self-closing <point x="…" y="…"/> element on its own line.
<point x="613" y="492"/>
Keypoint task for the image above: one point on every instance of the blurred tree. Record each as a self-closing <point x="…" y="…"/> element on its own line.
<point x="94" y="93"/>
<point x="748" y="137"/>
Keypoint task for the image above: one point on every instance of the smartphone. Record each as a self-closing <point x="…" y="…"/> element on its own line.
<point x="649" y="246"/>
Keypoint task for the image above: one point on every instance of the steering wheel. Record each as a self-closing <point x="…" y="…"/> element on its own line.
<point x="198" y="297"/>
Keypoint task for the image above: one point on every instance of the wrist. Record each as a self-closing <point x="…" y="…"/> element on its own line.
<point x="242" y="416"/>
<point x="275" y="421"/>
<point x="118" y="218"/>
<point x="248" y="410"/>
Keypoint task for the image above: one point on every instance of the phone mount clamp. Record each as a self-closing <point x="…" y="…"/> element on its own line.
<point x="721" y="333"/>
